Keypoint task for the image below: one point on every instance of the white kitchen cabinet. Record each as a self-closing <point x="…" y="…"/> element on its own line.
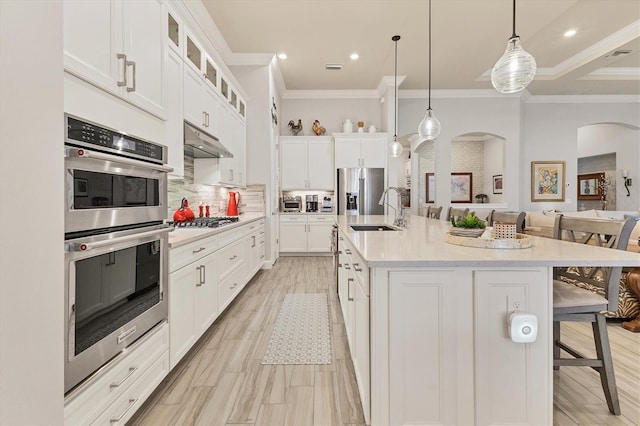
<point x="193" y="296"/>
<point x="254" y="248"/>
<point x="360" y="150"/>
<point x="233" y="135"/>
<point x="119" y="46"/>
<point x="305" y="233"/>
<point x="433" y="375"/>
<point x="107" y="395"/>
<point x="201" y="104"/>
<point x="307" y="163"/>
<point x="175" y="119"/>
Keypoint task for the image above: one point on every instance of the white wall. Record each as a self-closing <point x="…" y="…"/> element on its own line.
<point x="330" y="112"/>
<point x="498" y="116"/>
<point x="551" y="133"/>
<point x="31" y="213"/>
<point x="624" y="141"/>
<point x="493" y="165"/>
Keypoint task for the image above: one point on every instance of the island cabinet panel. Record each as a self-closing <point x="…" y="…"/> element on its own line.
<point x="512" y="379"/>
<point x="427" y="311"/>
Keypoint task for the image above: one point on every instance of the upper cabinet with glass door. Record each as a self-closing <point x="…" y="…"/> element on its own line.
<point x="210" y="71"/>
<point x="174" y="32"/>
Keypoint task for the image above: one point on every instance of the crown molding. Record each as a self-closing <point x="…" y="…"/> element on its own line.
<point x="330" y="94"/>
<point x="388" y="81"/>
<point x="250" y="59"/>
<point x="613" y="73"/>
<point x="583" y="99"/>
<point x="457" y="94"/>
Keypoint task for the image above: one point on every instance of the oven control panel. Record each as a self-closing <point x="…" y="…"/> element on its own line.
<point x="84" y="133"/>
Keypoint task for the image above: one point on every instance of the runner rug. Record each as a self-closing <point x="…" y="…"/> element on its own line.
<point x="302" y="333"/>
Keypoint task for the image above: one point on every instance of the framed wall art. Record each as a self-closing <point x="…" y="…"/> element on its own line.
<point x="431" y="188"/>
<point x="547" y="180"/>
<point x="589" y="186"/>
<point x="497" y="184"/>
<point x="461" y="187"/>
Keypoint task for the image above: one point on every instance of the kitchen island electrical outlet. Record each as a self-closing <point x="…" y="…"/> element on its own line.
<point x="514" y="303"/>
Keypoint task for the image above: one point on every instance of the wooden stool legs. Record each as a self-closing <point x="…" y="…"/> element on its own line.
<point x="633" y="283"/>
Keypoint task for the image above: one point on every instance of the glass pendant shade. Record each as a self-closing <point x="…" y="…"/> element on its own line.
<point x="429" y="127"/>
<point x="514" y="70"/>
<point x="395" y="149"/>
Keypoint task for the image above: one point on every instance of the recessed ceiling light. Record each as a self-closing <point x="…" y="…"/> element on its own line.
<point x="570" y="33"/>
<point x="354" y="56"/>
<point x="282" y="55"/>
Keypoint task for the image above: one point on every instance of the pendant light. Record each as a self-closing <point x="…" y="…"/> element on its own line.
<point x="396" y="147"/>
<point x="516" y="68"/>
<point x="429" y="127"/>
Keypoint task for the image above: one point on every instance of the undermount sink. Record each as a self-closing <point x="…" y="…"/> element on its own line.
<point x="373" y="228"/>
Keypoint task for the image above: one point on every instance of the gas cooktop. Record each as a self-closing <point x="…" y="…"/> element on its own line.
<point x="205" y="222"/>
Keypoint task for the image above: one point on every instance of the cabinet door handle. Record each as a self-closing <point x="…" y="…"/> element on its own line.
<point x="203" y="271"/>
<point x="357" y="268"/>
<point x="133" y="66"/>
<point x="262" y="257"/>
<point x="233" y="257"/>
<point x="208" y="122"/>
<point x="131" y="371"/>
<point x="346" y="266"/>
<point x="132" y="402"/>
<point x="199" y="250"/>
<point x="349" y="281"/>
<point x="204" y="119"/>
<point x="254" y="240"/>
<point x="233" y="286"/>
<point x="199" y="283"/>
<point x="347" y="251"/>
<point x="124" y="69"/>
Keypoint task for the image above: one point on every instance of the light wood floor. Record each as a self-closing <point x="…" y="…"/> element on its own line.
<point x="221" y="381"/>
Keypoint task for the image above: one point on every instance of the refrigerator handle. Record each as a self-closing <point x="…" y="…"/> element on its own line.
<point x="362" y="202"/>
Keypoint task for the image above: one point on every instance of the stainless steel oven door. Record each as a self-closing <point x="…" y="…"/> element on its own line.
<point x="104" y="190"/>
<point x="115" y="291"/>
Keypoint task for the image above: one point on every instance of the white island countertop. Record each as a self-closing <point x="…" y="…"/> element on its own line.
<point x="422" y="244"/>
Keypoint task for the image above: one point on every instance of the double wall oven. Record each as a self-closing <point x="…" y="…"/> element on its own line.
<point x="116" y="244"/>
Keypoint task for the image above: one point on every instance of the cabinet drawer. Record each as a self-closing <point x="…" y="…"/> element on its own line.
<point x="301" y="218"/>
<point x="228" y="258"/>
<point x="110" y="384"/>
<point x="361" y="271"/>
<point x="254" y="226"/>
<point x="321" y="219"/>
<point x="132" y="398"/>
<point x="230" y="287"/>
<point x="227" y="237"/>
<point x="182" y="256"/>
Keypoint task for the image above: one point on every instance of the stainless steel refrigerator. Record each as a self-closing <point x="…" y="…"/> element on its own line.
<point x="359" y="191"/>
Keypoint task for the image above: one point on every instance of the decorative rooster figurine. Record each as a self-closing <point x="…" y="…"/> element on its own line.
<point x="318" y="129"/>
<point x="295" y="128"/>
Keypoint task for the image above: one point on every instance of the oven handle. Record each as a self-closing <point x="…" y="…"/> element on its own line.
<point x="85" y="153"/>
<point x="71" y="247"/>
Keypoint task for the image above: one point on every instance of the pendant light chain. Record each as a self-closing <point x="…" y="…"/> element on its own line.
<point x="514" y="19"/>
<point x="429" y="55"/>
<point x="395" y="88"/>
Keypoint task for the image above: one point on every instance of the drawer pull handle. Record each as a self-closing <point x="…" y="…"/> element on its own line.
<point x="233" y="286"/>
<point x="349" y="298"/>
<point x="132" y="402"/>
<point x="233" y="257"/>
<point x="347" y="251"/>
<point x="131" y="371"/>
<point x="199" y="250"/>
<point x="262" y="257"/>
<point x="346" y="266"/>
<point x="356" y="266"/>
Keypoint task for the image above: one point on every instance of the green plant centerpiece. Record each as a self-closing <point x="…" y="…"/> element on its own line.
<point x="468" y="226"/>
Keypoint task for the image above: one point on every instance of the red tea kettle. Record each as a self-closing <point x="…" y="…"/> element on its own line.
<point x="234" y="202"/>
<point x="184" y="213"/>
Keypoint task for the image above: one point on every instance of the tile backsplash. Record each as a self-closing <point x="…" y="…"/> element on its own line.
<point x="251" y="198"/>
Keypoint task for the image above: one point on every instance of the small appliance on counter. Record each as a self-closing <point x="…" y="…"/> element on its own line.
<point x="312" y="203"/>
<point x="326" y="205"/>
<point x="291" y="204"/>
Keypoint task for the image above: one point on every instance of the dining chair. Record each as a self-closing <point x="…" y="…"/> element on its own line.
<point x="509" y="217"/>
<point x="456" y="213"/>
<point x="575" y="298"/>
<point x="434" y="212"/>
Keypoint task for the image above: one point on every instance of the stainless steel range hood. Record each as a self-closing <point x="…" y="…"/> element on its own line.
<point x="199" y="144"/>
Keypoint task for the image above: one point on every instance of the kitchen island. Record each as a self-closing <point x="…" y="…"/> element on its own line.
<point x="427" y="322"/>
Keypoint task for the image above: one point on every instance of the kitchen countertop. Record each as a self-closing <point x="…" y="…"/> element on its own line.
<point x="181" y="236"/>
<point x="422" y="244"/>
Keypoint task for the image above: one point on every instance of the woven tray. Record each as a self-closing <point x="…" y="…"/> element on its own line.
<point x="521" y="241"/>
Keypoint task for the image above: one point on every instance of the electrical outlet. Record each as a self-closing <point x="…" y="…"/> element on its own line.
<point x="514" y="303"/>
